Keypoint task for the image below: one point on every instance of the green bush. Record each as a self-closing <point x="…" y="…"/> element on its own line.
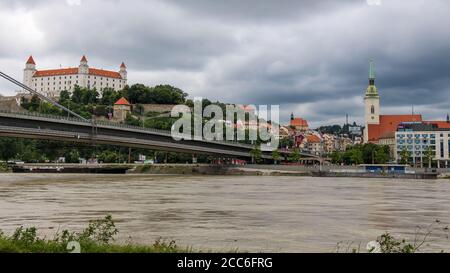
<point x="96" y="238"/>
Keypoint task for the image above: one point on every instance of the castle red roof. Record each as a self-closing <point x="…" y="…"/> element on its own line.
<point x="30" y="60"/>
<point x="122" y="101"/>
<point x="123" y="65"/>
<point x="388" y="125"/>
<point x="104" y="73"/>
<point x="74" y="71"/>
<point x="83" y="59"/>
<point x="56" y="72"/>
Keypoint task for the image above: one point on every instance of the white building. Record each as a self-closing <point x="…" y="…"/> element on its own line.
<point x="419" y="138"/>
<point x="52" y="82"/>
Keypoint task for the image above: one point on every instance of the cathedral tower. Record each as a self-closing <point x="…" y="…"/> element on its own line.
<point x="371" y="103"/>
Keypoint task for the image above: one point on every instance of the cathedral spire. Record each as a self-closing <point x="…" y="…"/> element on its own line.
<point x="371" y="73"/>
<point x="372" y="89"/>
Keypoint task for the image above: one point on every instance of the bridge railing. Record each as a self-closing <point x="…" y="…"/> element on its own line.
<point x="40" y="115"/>
<point x="116" y="125"/>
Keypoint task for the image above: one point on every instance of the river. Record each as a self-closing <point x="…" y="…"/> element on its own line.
<point x="247" y="213"/>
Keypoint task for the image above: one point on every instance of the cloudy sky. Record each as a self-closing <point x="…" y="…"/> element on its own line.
<point x="310" y="57"/>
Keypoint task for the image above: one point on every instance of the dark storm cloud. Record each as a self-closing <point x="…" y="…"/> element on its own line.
<point x="256" y="11"/>
<point x="311" y="57"/>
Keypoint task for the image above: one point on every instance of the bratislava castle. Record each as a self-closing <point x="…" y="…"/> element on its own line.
<point x="52" y="82"/>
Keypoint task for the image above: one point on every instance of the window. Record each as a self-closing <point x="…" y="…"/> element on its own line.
<point x="372" y="110"/>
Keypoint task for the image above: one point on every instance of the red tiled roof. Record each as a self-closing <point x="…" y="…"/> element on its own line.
<point x="56" y="72"/>
<point x="313" y="139"/>
<point x="389" y="124"/>
<point x="30" y="60"/>
<point x="122" y="101"/>
<point x="299" y="122"/>
<point x="123" y="65"/>
<point x="83" y="59"/>
<point x="104" y="73"/>
<point x="74" y="71"/>
<point x="440" y="124"/>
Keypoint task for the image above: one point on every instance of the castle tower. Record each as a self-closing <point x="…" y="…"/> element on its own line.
<point x="83" y="68"/>
<point x="371" y="103"/>
<point x="28" y="72"/>
<point x="123" y="71"/>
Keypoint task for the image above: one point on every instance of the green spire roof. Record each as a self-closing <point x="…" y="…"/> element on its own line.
<point x="371" y="70"/>
<point x="372" y="89"/>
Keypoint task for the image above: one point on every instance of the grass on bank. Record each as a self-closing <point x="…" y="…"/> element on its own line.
<point x="97" y="237"/>
<point x="387" y="243"/>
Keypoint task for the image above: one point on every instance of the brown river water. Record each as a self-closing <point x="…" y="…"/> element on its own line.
<point x="268" y="214"/>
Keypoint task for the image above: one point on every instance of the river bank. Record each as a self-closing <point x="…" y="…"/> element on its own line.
<point x="233" y="170"/>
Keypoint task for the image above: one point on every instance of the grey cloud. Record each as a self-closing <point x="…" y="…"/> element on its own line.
<point x="310" y="57"/>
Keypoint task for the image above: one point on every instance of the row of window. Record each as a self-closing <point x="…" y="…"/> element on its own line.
<point x="401" y="136"/>
<point x="416" y="141"/>
<point x="68" y="88"/>
<point x="416" y="147"/>
<point x="416" y="136"/>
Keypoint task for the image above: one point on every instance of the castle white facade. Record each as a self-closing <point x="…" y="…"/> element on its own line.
<point x="52" y="82"/>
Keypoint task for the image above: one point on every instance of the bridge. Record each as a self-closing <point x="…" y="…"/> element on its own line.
<point x="78" y="129"/>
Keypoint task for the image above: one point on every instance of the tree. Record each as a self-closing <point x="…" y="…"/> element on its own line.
<point x="109" y="96"/>
<point x="101" y="110"/>
<point x="108" y="157"/>
<point x="354" y="155"/>
<point x="382" y="154"/>
<point x="72" y="156"/>
<point x="295" y="156"/>
<point x="89" y="96"/>
<point x="405" y="155"/>
<point x="276" y="156"/>
<point x="64" y="96"/>
<point x="256" y="154"/>
<point x="336" y="157"/>
<point x="429" y="156"/>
